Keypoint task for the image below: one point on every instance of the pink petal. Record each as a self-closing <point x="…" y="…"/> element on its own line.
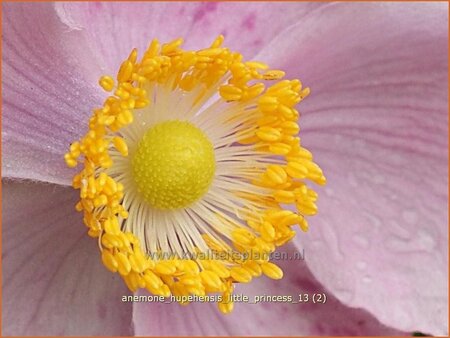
<point x="51" y="68"/>
<point x="53" y="279"/>
<point x="377" y="123"/>
<point x="49" y="88"/>
<point x="263" y="318"/>
<point x="114" y="29"/>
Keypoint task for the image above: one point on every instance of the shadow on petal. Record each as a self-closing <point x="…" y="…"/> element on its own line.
<point x="53" y="279"/>
<point x="265" y="317"/>
<point x="377" y="122"/>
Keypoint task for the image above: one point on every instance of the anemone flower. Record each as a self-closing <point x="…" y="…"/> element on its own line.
<point x="375" y="258"/>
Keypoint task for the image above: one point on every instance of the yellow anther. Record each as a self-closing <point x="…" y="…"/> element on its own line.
<point x="296" y="169"/>
<point x="282" y="240"/>
<point x="190" y="266"/>
<point x="137" y="262"/>
<point x="111" y="241"/>
<point x="230" y="92"/>
<point x="210" y="51"/>
<point x="124" y="266"/>
<point x="171" y="46"/>
<point x="301" y="153"/>
<point x="279" y="87"/>
<point x="280" y="148"/>
<point x="275" y="215"/>
<point x="211" y="279"/>
<point x="196" y="290"/>
<point x="152" y="280"/>
<point x="125" y="117"/>
<point x="290" y="127"/>
<point x="226" y="308"/>
<point x="106" y="120"/>
<point x="109" y="261"/>
<point x="253" y="267"/>
<point x="125" y="71"/>
<point x="166" y="267"/>
<point x="273" y="75"/>
<point x="102" y="179"/>
<point x="276" y="174"/>
<point x="296" y="85"/>
<point x="219" y="269"/>
<point x="75" y="150"/>
<point x="242" y="237"/>
<point x="304" y="93"/>
<point x="71" y="162"/>
<point x="218" y="41"/>
<point x="205" y="59"/>
<point x="256" y="224"/>
<point x="125" y="241"/>
<point x="289" y="220"/>
<point x="286" y="112"/>
<point x="268" y="104"/>
<point x="322" y="180"/>
<point x="138" y="280"/>
<point x="283" y="196"/>
<point x="87" y="205"/>
<point x="100" y="201"/>
<point x="240" y="275"/>
<point x="315" y="173"/>
<point x="256" y="65"/>
<point x="123" y="214"/>
<point x="312" y="195"/>
<point x="190" y="280"/>
<point x="79" y="206"/>
<point x="91" y="185"/>
<point x="268" y="120"/>
<point x="94" y="233"/>
<point x="164" y="291"/>
<point x="133" y="56"/>
<point x="141" y="103"/>
<point x="254" y="91"/>
<point x="123" y="94"/>
<point x="307" y="208"/>
<point x="120" y="145"/>
<point x="303" y="224"/>
<point x="268" y="134"/>
<point x="107" y="83"/>
<point x="271" y="270"/>
<point x="264" y="246"/>
<point x="131" y="281"/>
<point x="152" y="49"/>
<point x="267" y="231"/>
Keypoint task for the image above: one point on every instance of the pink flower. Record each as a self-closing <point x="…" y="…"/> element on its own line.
<point x="376" y="121"/>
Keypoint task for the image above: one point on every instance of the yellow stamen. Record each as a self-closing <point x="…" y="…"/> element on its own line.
<point x="107" y="83"/>
<point x="163" y="173"/>
<point x="240" y="275"/>
<point x="120" y="145"/>
<point x="271" y="270"/>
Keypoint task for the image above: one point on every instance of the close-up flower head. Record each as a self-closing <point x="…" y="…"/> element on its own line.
<point x="224" y="168"/>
